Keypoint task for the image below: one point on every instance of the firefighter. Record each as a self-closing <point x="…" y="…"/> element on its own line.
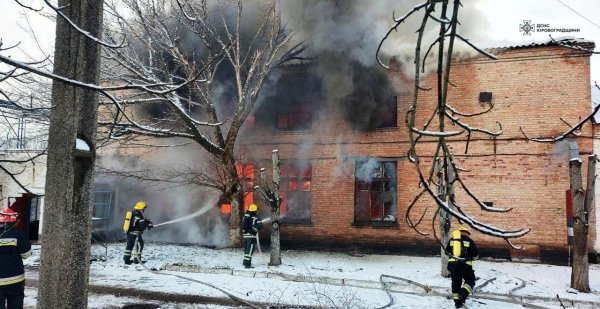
<point x="251" y="224"/>
<point x="462" y="251"/>
<point x="135" y="224"/>
<point x="14" y="247"/>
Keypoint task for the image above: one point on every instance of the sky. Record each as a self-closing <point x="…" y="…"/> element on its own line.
<point x="498" y="25"/>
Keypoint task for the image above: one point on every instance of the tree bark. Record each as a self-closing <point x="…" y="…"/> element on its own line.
<point x="275" y="212"/>
<point x="66" y="234"/>
<point x="235" y="195"/>
<point x="579" y="270"/>
<point x="444" y="219"/>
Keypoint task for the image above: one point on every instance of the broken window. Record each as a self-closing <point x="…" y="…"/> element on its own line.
<point x="246" y="174"/>
<point x="291" y="101"/>
<point x="387" y="114"/>
<point x="375" y="192"/>
<point x="297" y="116"/>
<point x="372" y="104"/>
<point x="295" y="190"/>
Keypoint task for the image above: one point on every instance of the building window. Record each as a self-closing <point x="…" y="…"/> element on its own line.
<point x="295" y="190"/>
<point x="296" y="116"/>
<point x="387" y="114"/>
<point x="102" y="205"/>
<point x="246" y="175"/>
<point x="485" y="97"/>
<point x="245" y="172"/>
<point x="375" y="192"/>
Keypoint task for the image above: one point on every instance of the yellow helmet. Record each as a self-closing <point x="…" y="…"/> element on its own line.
<point x="141" y="205"/>
<point x="252" y="207"/>
<point x="463" y="228"/>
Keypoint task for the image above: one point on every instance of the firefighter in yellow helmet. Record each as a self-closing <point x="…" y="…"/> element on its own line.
<point x="251" y="224"/>
<point x="462" y="251"/>
<point x="135" y="224"/>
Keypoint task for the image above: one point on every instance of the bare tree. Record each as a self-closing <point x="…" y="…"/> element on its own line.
<point x="203" y="49"/>
<point x="448" y="173"/>
<point x="24" y="119"/>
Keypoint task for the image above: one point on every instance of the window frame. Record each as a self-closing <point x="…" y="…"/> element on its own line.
<point x="371" y="189"/>
<point x="303" y="176"/>
<point x="303" y="113"/>
<point x="393" y="111"/>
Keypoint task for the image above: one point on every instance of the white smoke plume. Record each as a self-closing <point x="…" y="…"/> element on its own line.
<point x="166" y="201"/>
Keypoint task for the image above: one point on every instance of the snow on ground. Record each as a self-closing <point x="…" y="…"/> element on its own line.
<point x="315" y="278"/>
<point x="96" y="301"/>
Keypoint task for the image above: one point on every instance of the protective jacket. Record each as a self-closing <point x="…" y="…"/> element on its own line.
<point x="139" y="223"/>
<point x="14" y="247"/>
<point x="460" y="264"/>
<point x="251" y="224"/>
<point x="468" y="250"/>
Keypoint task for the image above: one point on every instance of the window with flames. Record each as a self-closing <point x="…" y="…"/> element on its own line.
<point x="295" y="190"/>
<point x="375" y="192"/>
<point x="246" y="175"/>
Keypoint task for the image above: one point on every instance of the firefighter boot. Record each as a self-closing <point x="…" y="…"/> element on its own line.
<point x="127" y="258"/>
<point x="458" y="303"/>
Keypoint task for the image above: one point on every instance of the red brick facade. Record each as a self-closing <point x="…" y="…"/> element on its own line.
<point x="532" y="88"/>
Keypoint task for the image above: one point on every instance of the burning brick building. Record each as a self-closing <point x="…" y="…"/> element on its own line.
<point x="346" y="178"/>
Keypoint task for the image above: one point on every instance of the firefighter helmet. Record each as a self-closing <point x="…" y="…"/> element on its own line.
<point x="141" y="205"/>
<point x="252" y="207"/>
<point x="464" y="229"/>
<point x="8" y="215"/>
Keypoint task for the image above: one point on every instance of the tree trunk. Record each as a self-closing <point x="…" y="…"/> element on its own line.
<point x="236" y="196"/>
<point x="444" y="220"/>
<point x="275" y="225"/>
<point x="66" y="237"/>
<point x="579" y="270"/>
<point x="451" y="176"/>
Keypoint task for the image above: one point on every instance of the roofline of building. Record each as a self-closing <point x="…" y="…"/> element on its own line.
<point x="566" y="41"/>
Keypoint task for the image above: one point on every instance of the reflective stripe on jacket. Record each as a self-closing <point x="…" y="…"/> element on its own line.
<point x="14" y="247"/>
<point x="468" y="251"/>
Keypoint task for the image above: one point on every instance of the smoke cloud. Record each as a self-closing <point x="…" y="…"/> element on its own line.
<point x="166" y="201"/>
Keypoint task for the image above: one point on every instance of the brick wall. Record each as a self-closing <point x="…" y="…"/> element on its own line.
<point x="532" y="89"/>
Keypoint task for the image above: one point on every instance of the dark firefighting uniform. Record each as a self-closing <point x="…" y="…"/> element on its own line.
<point x="138" y="225"/>
<point x="14" y="247"/>
<point x="461" y="268"/>
<point x="251" y="224"/>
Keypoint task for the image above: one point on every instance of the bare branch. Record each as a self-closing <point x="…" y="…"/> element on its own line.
<point x="395" y="28"/>
<point x="81" y="31"/>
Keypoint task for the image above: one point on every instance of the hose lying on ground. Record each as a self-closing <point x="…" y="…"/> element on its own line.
<point x="233" y="297"/>
<point x="431" y="292"/>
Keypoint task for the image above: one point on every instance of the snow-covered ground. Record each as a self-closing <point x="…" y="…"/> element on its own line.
<point x="319" y="279"/>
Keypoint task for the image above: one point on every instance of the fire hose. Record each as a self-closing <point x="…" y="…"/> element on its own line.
<point x="196" y="214"/>
<point x="136" y="256"/>
<point x="264" y="221"/>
